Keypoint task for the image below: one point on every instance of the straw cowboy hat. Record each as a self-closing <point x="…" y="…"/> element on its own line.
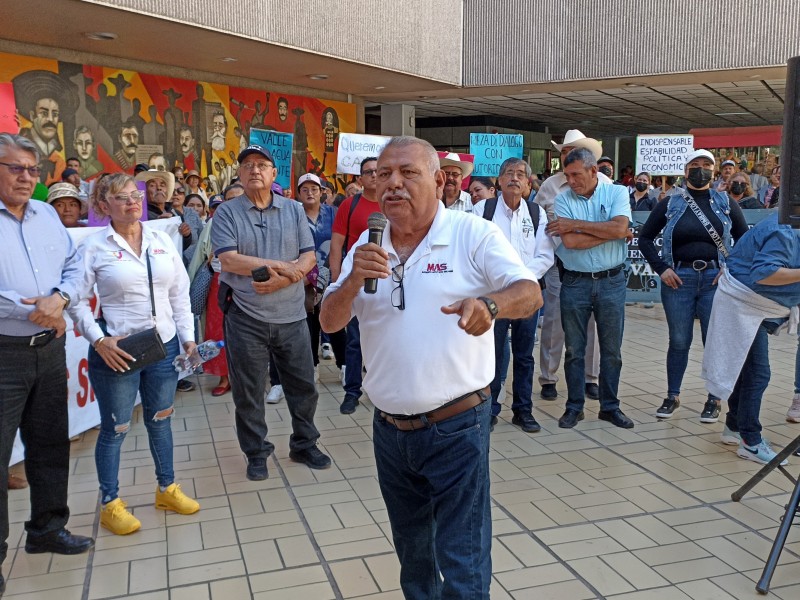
<point x="155" y="174"/>
<point x="454" y="160"/>
<point x="575" y="139"/>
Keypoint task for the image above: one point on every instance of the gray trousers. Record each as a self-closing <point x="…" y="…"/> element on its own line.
<point x="551" y="344"/>
<point x="248" y="343"/>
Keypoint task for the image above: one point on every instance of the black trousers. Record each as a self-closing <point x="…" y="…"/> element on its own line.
<point x="33" y="398"/>
<point x="338" y="338"/>
<point x="249" y="343"/>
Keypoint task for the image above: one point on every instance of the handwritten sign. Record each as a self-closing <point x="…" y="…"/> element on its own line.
<point x="491" y="149"/>
<point x="663" y="154"/>
<point x="355" y="147"/>
<point x="280" y="146"/>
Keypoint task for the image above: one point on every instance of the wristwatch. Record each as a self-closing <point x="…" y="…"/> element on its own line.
<point x="491" y="305"/>
<point x="64" y="296"/>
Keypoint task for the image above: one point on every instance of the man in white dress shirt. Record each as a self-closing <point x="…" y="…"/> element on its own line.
<point x="523" y="224"/>
<point x="455" y="170"/>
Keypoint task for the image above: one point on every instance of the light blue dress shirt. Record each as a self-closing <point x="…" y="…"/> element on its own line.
<point x="607" y="201"/>
<point x="37" y="256"/>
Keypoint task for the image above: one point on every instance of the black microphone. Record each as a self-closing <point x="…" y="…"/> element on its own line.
<point x="376" y="223"/>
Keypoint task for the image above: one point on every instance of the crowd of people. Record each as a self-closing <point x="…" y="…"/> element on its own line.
<point x="464" y="278"/>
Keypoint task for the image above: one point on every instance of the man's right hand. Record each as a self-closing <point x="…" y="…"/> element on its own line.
<point x="370" y="261"/>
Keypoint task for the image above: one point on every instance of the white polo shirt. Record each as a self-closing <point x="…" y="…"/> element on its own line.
<point x="123" y="290"/>
<point x="418" y="359"/>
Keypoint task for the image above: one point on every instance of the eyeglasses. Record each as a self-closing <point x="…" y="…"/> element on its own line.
<point x="262" y="166"/>
<point x="19" y="169"/>
<point x="369" y="172"/>
<point x="136" y="197"/>
<point x="397" y="277"/>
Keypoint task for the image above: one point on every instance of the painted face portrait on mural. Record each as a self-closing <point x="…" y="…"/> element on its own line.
<point x="111" y="119"/>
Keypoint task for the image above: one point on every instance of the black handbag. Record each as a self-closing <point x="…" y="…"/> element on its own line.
<point x="146" y="347"/>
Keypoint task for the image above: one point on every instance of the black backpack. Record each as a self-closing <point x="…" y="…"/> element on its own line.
<point x="533" y="210"/>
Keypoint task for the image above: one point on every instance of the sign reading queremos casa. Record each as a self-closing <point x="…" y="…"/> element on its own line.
<point x="105" y="117"/>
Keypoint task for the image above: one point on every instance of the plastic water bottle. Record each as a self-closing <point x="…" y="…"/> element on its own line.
<point x="185" y="364"/>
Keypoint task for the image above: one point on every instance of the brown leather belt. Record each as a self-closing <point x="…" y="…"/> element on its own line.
<point x="451" y="409"/>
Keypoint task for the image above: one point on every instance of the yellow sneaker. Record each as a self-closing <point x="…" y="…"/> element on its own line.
<point x="174" y="499"/>
<point x="115" y="517"/>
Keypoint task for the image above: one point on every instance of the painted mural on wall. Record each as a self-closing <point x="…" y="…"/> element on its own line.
<point x="112" y="119"/>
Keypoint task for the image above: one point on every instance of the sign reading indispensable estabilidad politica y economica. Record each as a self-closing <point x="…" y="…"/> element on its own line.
<point x="663" y="154"/>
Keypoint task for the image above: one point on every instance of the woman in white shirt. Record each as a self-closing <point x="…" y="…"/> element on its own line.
<point x="116" y="260"/>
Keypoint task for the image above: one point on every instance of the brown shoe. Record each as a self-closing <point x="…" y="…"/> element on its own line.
<point x="16" y="483"/>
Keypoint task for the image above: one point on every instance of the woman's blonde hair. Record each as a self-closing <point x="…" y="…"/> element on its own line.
<point x="106" y="186"/>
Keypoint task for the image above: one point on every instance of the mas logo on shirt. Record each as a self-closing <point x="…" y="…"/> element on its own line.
<point x="159" y="251"/>
<point x="438" y="268"/>
<point x="116" y="254"/>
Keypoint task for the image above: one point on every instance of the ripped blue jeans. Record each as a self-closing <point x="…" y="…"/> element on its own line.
<point x="116" y="396"/>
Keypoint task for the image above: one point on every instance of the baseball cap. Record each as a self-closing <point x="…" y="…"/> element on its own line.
<point x="306" y="178"/>
<point x="725" y="163"/>
<point x="700" y="154"/>
<point x="68" y="173"/>
<point x="605" y="159"/>
<point x="255" y="149"/>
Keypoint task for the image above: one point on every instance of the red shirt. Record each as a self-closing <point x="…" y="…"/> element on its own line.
<point x="358" y="220"/>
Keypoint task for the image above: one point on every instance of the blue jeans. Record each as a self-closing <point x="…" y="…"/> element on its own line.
<point x="693" y="298"/>
<point x="523" y="338"/>
<point x="116" y="395"/>
<point x="353" y="360"/>
<point x="506" y="360"/>
<point x="435" y="483"/>
<point x="797" y="368"/>
<point x="744" y="404"/>
<point x="604" y="298"/>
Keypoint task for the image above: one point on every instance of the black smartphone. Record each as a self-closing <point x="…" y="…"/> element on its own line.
<point x="260" y="274"/>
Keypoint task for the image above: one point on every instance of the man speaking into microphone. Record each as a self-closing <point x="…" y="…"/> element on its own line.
<point x="442" y="278"/>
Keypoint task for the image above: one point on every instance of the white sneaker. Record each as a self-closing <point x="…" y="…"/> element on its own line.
<point x="327" y="352"/>
<point x="762" y="453"/>
<point x="793" y="414"/>
<point x="275" y="394"/>
<point x="343" y="369"/>
<point x="732" y="438"/>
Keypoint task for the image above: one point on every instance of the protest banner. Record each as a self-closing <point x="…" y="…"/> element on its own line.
<point x="280" y="146"/>
<point x="663" y="154"/>
<point x="491" y="149"/>
<point x="355" y="147"/>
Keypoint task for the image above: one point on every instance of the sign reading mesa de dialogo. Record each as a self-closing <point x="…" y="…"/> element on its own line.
<point x="491" y="149"/>
<point x="663" y="154"/>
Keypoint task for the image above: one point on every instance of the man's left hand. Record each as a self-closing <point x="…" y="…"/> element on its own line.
<point x="560" y="226"/>
<point x="475" y="316"/>
<point x="290" y="270"/>
<point x="275" y="282"/>
<point x="48" y="311"/>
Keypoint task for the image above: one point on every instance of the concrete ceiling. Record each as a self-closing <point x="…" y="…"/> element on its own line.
<point x="667" y="103"/>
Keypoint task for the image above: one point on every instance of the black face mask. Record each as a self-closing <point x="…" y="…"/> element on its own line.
<point x="699" y="177"/>
<point x="606" y="170"/>
<point x="641" y="186"/>
<point x="737" y="187"/>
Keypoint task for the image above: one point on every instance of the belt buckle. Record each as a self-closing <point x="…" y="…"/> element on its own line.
<point x="596" y="275"/>
<point x="37" y="337"/>
<point x="702" y="262"/>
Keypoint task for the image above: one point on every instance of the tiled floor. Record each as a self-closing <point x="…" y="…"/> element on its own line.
<point x="595" y="512"/>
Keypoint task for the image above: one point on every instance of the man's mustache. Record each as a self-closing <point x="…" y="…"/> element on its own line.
<point x="49" y="125"/>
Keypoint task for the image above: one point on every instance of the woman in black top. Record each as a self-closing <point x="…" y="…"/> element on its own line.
<point x="640" y="197"/>
<point x="689" y="266"/>
<point x="740" y="190"/>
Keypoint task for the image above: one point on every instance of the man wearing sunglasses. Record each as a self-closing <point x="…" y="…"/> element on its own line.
<point x="39" y="276"/>
<point x="443" y="277"/>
